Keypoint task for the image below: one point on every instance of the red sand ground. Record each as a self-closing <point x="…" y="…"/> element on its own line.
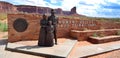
<point x="78" y="44"/>
<point x="112" y="54"/>
<point x="2" y="34"/>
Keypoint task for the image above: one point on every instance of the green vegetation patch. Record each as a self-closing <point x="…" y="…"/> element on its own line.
<point x="118" y="32"/>
<point x="95" y="35"/>
<point x="3" y="27"/>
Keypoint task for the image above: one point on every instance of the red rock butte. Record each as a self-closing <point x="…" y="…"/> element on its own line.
<point x="8" y="8"/>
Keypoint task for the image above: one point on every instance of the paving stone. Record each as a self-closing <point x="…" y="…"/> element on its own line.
<point x="2" y="51"/>
<point x="9" y="54"/>
<point x="61" y="50"/>
<point x="86" y="51"/>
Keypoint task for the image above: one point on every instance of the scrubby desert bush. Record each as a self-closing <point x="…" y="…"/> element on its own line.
<point x="118" y="32"/>
<point x="3" y="27"/>
<point x="101" y="35"/>
<point x="95" y="35"/>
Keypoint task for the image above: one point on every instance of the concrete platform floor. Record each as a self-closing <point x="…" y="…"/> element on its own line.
<point x="9" y="54"/>
<point x="94" y="50"/>
<point x="61" y="50"/>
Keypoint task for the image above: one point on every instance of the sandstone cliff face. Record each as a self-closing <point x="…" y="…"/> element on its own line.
<point x="44" y="10"/>
<point x="73" y="10"/>
<point x="26" y="8"/>
<point x="7" y="7"/>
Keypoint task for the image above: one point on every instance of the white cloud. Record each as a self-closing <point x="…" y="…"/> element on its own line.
<point x="54" y="1"/>
<point x="96" y="8"/>
<point x="114" y="1"/>
<point x="36" y="2"/>
<point x="92" y="1"/>
<point x="68" y="4"/>
<point x="41" y="3"/>
<point x="85" y="7"/>
<point x="2" y="0"/>
<point x="53" y="6"/>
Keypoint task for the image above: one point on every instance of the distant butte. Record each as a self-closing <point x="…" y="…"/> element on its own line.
<point x="6" y="7"/>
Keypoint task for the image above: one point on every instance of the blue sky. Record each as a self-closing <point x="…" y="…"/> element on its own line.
<point x="94" y="8"/>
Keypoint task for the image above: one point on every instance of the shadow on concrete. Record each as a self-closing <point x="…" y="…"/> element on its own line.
<point x="30" y="47"/>
<point x="3" y="41"/>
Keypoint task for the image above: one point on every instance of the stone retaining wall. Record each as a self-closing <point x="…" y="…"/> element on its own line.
<point x="98" y="40"/>
<point x="84" y="35"/>
<point x="65" y="25"/>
